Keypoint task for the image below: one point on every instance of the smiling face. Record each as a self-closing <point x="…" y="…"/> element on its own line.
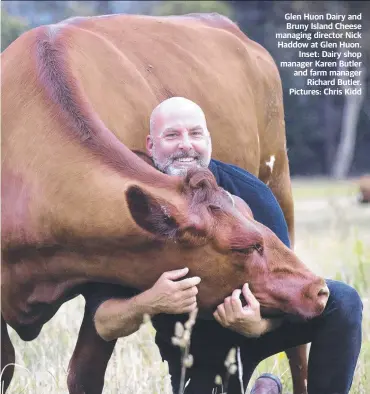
<point x="179" y="138"/>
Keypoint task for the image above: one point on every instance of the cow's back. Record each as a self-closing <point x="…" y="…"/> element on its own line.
<point x="128" y="64"/>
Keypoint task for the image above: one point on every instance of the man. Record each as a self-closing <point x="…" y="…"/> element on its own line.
<point x="179" y="140"/>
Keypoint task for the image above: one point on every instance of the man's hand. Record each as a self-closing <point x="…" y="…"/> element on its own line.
<point x="167" y="296"/>
<point x="246" y="320"/>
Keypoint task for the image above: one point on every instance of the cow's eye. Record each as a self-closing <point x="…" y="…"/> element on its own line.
<point x="214" y="208"/>
<point x="244" y="250"/>
<point x="249" y="250"/>
<point x="258" y="248"/>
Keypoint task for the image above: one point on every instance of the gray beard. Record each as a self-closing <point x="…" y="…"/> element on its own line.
<point x="168" y="169"/>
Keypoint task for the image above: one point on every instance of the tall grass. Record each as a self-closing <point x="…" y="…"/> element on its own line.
<point x="332" y="237"/>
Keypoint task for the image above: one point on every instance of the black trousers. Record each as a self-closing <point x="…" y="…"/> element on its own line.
<point x="335" y="338"/>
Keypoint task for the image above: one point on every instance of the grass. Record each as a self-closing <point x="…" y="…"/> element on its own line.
<point x="321" y="188"/>
<point x="332" y="237"/>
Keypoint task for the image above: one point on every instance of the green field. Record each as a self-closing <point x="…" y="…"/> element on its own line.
<point x="332" y="237"/>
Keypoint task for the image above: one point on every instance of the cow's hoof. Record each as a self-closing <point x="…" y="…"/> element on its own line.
<point x="267" y="384"/>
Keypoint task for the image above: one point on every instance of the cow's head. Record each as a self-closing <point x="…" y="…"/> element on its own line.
<point x="218" y="239"/>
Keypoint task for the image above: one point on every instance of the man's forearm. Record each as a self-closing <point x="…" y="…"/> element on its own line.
<point x="270" y="325"/>
<point x="120" y="317"/>
<point x="257" y="329"/>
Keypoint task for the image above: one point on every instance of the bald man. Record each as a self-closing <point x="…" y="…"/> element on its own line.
<point x="179" y="140"/>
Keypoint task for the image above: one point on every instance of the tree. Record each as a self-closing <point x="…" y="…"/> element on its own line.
<point x="323" y="132"/>
<point x="103" y="7"/>
<point x="350" y="120"/>
<point x="352" y="104"/>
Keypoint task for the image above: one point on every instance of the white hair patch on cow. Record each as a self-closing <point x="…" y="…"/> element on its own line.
<point x="271" y="162"/>
<point x="165" y="211"/>
<point x="231" y="197"/>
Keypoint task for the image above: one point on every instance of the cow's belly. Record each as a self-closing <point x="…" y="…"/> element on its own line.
<point x="27" y="303"/>
<point x="27" y="319"/>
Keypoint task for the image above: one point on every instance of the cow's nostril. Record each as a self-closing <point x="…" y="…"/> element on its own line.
<point x="324" y="292"/>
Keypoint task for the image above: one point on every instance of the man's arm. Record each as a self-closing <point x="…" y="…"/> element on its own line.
<point x="262" y="203"/>
<point x="120" y="317"/>
<point x="117" y="317"/>
<point x="245" y="320"/>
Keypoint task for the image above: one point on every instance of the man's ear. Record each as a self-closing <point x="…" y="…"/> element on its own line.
<point x="151" y="214"/>
<point x="149" y="145"/>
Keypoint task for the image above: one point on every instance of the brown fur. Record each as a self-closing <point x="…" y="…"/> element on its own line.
<point x="76" y="99"/>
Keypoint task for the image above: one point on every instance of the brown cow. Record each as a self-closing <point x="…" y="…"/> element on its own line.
<point x="78" y="206"/>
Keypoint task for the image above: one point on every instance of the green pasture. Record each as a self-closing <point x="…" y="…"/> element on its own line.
<point x="323" y="188"/>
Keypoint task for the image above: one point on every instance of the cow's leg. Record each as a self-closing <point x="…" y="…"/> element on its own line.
<point x="276" y="175"/>
<point x="89" y="361"/>
<point x="298" y="366"/>
<point x="7" y="357"/>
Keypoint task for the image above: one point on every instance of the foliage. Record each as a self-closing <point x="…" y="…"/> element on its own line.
<point x="11" y="28"/>
<point x="188" y="7"/>
<point x="313" y="123"/>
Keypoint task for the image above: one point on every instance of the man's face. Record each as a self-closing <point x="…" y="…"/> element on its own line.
<point x="179" y="141"/>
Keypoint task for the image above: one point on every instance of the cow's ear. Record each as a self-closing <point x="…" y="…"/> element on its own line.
<point x="151" y="214"/>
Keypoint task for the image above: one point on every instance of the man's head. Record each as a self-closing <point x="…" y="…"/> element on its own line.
<point x="179" y="138"/>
